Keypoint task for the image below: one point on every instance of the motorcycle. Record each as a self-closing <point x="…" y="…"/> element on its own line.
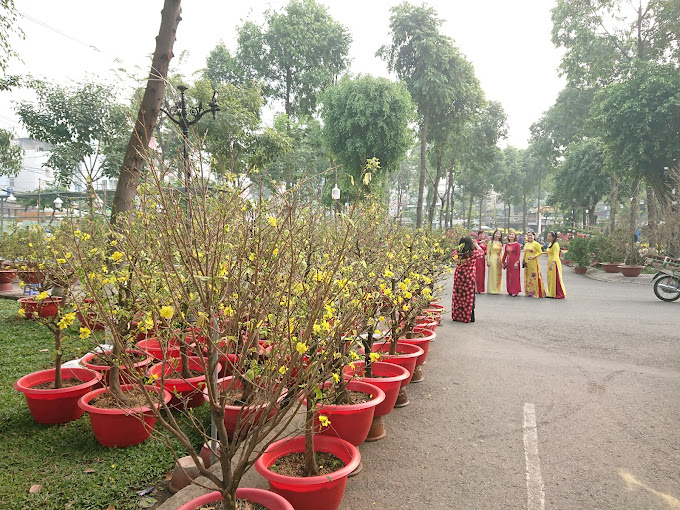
<point x="667" y="284"/>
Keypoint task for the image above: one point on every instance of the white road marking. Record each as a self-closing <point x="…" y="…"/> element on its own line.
<point x="535" y="489"/>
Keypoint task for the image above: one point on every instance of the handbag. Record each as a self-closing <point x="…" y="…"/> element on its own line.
<point x="524" y="264"/>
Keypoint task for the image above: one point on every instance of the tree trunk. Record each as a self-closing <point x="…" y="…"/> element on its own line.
<point x="462" y="195"/>
<point x="538" y="209"/>
<point x="470" y="213"/>
<point x="633" y="207"/>
<point x="148" y="111"/>
<point x="651" y="216"/>
<point x="435" y="195"/>
<point x="524" y="215"/>
<point x="423" y="164"/>
<point x="481" y="207"/>
<point x="613" y="200"/>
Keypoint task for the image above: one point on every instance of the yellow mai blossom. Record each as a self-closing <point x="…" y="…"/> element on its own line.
<point x="228" y="311"/>
<point x="22" y="312"/>
<point x="324" y="421"/>
<point x="388" y="273"/>
<point x="61" y="261"/>
<point x="408" y="295"/>
<point x="283" y="370"/>
<point x="272" y="221"/>
<point x="316" y="328"/>
<point x="167" y="312"/>
<point x="275" y="252"/>
<point x="301" y="347"/>
<point x="68" y="255"/>
<point x="66" y="320"/>
<point x="117" y="256"/>
<point x="85" y="333"/>
<point x="251" y="257"/>
<point x="42" y="296"/>
<point x="353" y="356"/>
<point x="374" y="356"/>
<point x="336" y="378"/>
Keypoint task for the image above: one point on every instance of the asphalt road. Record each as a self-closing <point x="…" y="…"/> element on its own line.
<point x="541" y="403"/>
<point x="599" y="371"/>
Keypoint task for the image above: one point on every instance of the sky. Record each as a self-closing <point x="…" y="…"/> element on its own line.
<point x="507" y="42"/>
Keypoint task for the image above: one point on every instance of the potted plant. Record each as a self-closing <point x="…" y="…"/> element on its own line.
<point x="52" y="395"/>
<point x="236" y="275"/>
<point x="635" y="261"/>
<point x="579" y="253"/>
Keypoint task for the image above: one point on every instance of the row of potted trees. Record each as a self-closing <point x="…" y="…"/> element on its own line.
<point x="260" y="311"/>
<point x="610" y="251"/>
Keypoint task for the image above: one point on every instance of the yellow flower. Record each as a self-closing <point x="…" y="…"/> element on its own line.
<point x="61" y="261"/>
<point x="272" y="221"/>
<point x="22" y="312"/>
<point x="336" y="378"/>
<point x="301" y="348"/>
<point x="275" y="252"/>
<point x="324" y="421"/>
<point x="388" y="273"/>
<point x="167" y="312"/>
<point x="85" y="332"/>
<point x="282" y="370"/>
<point x="66" y="320"/>
<point x="117" y="256"/>
<point x="41" y="296"/>
<point x="374" y="356"/>
<point x="353" y="356"/>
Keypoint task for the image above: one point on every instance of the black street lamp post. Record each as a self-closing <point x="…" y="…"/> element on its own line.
<point x="186" y="116"/>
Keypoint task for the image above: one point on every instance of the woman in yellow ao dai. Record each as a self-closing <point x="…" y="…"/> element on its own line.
<point x="533" y="282"/>
<point x="494" y="259"/>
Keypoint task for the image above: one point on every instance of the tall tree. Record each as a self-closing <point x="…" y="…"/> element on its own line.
<point x="425" y="60"/>
<point x="602" y="37"/>
<point x="82" y="124"/>
<point x="296" y="54"/>
<point x="10" y="154"/>
<point x="638" y="120"/>
<point x="447" y="125"/>
<point x="366" y="118"/>
<point x="150" y="107"/>
<point x="582" y="178"/>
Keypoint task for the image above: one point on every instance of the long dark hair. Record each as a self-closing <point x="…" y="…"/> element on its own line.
<point x="554" y="234"/>
<point x="493" y="237"/>
<point x="465" y="247"/>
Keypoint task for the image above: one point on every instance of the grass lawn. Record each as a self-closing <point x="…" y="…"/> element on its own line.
<point x="73" y="470"/>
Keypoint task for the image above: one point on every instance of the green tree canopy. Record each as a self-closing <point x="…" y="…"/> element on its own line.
<point x="296" y="54"/>
<point x="581" y="179"/>
<point x="638" y="120"/>
<point x="602" y="37"/>
<point x="10" y="154"/>
<point x="367" y="117"/>
<point x="84" y="124"/>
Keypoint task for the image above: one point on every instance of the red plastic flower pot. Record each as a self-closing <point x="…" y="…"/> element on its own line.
<point x="52" y="406"/>
<point x="121" y="427"/>
<point x="186" y="393"/>
<point x="426" y="320"/>
<point x="238" y="420"/>
<point x="48" y="307"/>
<point x="6" y="277"/>
<point x="350" y="422"/>
<point x="160" y="350"/>
<point x="139" y="367"/>
<point x="407" y="356"/>
<point x="31" y="277"/>
<point x="387" y="377"/>
<point x="313" y="492"/>
<point x="425" y="336"/>
<point x="265" y="498"/>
